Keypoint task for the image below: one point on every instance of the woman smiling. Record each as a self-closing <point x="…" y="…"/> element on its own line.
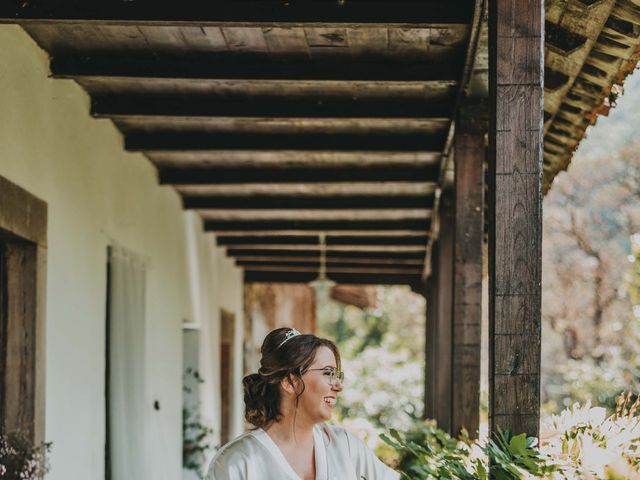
<point x="288" y="401"/>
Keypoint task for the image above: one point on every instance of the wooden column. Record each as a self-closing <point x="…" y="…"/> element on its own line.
<point x="467" y="290"/>
<point x="440" y="321"/>
<point x="430" y="293"/>
<point x="445" y="313"/>
<point x="515" y="213"/>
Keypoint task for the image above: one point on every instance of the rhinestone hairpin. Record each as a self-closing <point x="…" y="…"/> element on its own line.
<point x="290" y="334"/>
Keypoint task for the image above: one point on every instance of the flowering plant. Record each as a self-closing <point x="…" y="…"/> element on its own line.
<point x="581" y="443"/>
<point x="20" y="459"/>
<point x="587" y="444"/>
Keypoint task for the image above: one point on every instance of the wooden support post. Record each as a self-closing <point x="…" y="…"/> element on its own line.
<point x="431" y="367"/>
<point x="445" y="312"/>
<point x="515" y="213"/>
<point x="467" y="290"/>
<point x="440" y="321"/>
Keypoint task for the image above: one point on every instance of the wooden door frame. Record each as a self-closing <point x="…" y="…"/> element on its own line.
<point x="23" y="234"/>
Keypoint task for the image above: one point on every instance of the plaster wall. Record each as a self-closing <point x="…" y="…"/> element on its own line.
<point x="97" y="195"/>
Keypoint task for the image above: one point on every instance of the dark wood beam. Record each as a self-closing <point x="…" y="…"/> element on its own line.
<point x="263" y="13"/>
<point x="429" y="289"/>
<point x="181" y="71"/>
<point x="314" y="260"/>
<point x="338" y="266"/>
<point x="173" y="141"/>
<point x="358" y="269"/>
<point x="515" y="213"/>
<point x="412" y="258"/>
<point x="314" y="241"/>
<point x="207" y="105"/>
<point x="320" y="215"/>
<point x="467" y="276"/>
<point x="293" y="158"/>
<point x="311" y="189"/>
<point x="386" y="249"/>
<point x="251" y="276"/>
<point x="327" y="225"/>
<point x="268" y="202"/>
<point x="444" y="316"/>
<point x="230" y="175"/>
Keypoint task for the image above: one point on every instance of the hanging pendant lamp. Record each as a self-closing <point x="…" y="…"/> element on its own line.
<point x="322" y="285"/>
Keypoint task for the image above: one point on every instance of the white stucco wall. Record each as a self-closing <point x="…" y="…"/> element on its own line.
<point x="97" y="195"/>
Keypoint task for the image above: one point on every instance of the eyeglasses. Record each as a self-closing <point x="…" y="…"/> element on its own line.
<point x="333" y="376"/>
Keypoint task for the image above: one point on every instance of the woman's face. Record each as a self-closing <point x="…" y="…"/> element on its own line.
<point x="319" y="396"/>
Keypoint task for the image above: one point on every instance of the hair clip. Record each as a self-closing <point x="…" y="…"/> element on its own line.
<point x="290" y="334"/>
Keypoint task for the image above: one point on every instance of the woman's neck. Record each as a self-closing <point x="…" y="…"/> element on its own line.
<point x="286" y="431"/>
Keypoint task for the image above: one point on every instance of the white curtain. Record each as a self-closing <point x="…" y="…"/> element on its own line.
<point x="127" y="365"/>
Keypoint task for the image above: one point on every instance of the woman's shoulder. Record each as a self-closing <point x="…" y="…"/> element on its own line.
<point x="363" y="459"/>
<point x="234" y="456"/>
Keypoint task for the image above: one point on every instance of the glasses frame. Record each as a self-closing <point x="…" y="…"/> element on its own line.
<point x="334" y="377"/>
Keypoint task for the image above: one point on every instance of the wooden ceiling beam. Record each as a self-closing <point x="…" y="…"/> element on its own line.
<point x="251" y="276"/>
<point x="331" y="268"/>
<point x="185" y="71"/>
<point x="314" y="189"/>
<point x="313" y="241"/>
<point x="269" y="202"/>
<point x="263" y="13"/>
<point x="328" y="215"/>
<point x="319" y="226"/>
<point x="209" y="106"/>
<point x="218" y="176"/>
<point x="175" y="141"/>
<point x="337" y="269"/>
<point x="289" y="158"/>
<point x="412" y="258"/>
<point x="304" y="231"/>
<point x="245" y="260"/>
<point x="314" y="263"/>
<point x="413" y="250"/>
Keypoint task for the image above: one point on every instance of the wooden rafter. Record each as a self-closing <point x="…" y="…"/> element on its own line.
<point x="262" y="13"/>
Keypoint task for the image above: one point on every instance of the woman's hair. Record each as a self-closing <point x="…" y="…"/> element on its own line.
<point x="284" y="353"/>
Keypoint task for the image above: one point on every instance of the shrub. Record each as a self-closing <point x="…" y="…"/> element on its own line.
<point x="20" y="459"/>
<point x="579" y="443"/>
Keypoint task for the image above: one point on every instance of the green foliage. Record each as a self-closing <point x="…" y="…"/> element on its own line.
<point x="382" y="353"/>
<point x="513" y="456"/>
<point x="580" y="443"/>
<point x="195" y="434"/>
<point x="363" y="330"/>
<point x="426" y="452"/>
<point x="591" y="318"/>
<point x="195" y="442"/>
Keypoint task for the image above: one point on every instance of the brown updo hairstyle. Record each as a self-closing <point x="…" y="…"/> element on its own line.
<point x="294" y="357"/>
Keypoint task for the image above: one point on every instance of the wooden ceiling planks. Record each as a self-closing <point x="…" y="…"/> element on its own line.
<point x="303" y="190"/>
<point x="357" y="278"/>
<point x="279" y="122"/>
<point x="589" y="48"/>
<point x="270" y="202"/>
<point x="313" y="241"/>
<point x="244" y="13"/>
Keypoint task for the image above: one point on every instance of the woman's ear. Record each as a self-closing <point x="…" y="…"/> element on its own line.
<point x="290" y="384"/>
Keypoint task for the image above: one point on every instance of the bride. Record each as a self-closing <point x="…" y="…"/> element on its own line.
<point x="288" y="401"/>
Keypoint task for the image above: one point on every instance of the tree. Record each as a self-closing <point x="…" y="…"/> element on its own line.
<point x="591" y="214"/>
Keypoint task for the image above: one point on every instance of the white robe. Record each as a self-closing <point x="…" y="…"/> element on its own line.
<point x="338" y="456"/>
